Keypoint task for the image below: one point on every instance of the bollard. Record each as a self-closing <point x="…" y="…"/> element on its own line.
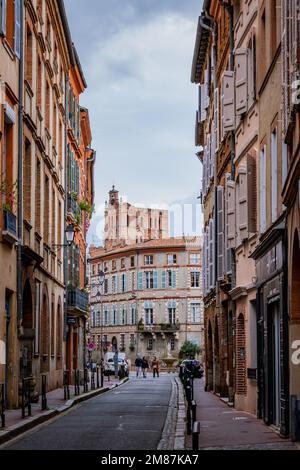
<point x="188" y="394"/>
<point x="194" y="411"/>
<point x="97" y="376"/>
<point x="93" y="379"/>
<point x="188" y="421"/>
<point x="85" y="381"/>
<point x="196" y="433"/>
<point x="66" y="385"/>
<point x="2" y="405"/>
<point x="77" y="382"/>
<point x="44" y="392"/>
<point x="26" y="397"/>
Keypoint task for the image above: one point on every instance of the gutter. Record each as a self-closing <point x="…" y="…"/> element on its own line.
<point x="20" y="172"/>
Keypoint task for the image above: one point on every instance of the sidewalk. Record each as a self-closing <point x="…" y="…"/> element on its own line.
<point x="15" y="425"/>
<point x="224" y="428"/>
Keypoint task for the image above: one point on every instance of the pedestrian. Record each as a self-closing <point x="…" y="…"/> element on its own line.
<point x="138" y="365"/>
<point x="145" y="367"/>
<point x="155" y="367"/>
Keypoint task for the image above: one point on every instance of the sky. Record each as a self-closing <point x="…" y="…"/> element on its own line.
<point x="136" y="56"/>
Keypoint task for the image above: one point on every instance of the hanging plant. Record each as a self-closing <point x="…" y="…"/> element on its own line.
<point x="10" y="192"/>
<point x="74" y="196"/>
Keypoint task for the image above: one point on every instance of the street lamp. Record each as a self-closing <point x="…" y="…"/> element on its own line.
<point x="70" y="234"/>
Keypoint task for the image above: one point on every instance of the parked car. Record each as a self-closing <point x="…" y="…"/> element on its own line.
<point x="109" y="364"/>
<point x="193" y="366"/>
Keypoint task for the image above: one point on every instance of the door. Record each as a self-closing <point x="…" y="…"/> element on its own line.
<point x="274" y="364"/>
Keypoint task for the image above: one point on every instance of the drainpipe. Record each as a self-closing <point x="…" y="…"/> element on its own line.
<point x="65" y="211"/>
<point x="20" y="172"/>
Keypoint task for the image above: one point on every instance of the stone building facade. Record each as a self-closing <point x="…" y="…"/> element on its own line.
<point x="37" y="62"/>
<point x="151" y="300"/>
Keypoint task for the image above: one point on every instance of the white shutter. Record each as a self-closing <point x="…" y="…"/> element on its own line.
<point x="213" y="150"/>
<point x="203" y="112"/>
<point x="18" y="28"/>
<point x="209" y="157"/>
<point x="263" y="190"/>
<point x="211" y="254"/>
<point x="204" y="265"/>
<point x="220" y="230"/>
<point x="242" y="203"/>
<point x="228" y="111"/>
<point x="199" y="104"/>
<point x="274" y="173"/>
<point x="207" y="169"/>
<point x="3" y="17"/>
<point x="207" y="258"/>
<point x="206" y="89"/>
<point x="230" y="219"/>
<point x="241" y="83"/>
<point x="204" y="173"/>
<point x="252" y="194"/>
<point x="216" y="118"/>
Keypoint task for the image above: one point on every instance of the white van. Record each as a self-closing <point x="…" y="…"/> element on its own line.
<point x="109" y="365"/>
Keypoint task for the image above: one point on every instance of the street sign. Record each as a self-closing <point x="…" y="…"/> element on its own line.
<point x="71" y="321"/>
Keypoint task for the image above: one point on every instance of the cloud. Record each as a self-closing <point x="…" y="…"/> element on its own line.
<point x="137" y="62"/>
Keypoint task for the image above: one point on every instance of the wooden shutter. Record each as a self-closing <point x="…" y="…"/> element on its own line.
<point x="3" y="17"/>
<point x="207" y="259"/>
<point x="228" y="111"/>
<point x="274" y="173"/>
<point x="211" y="254"/>
<point x="241" y="82"/>
<point x="263" y="190"/>
<point x="155" y="280"/>
<point x="202" y="103"/>
<point x="216" y="119"/>
<point x="204" y="173"/>
<point x="230" y="222"/>
<point x="242" y="203"/>
<point x="252" y="194"/>
<point x="220" y="231"/>
<point x="209" y="159"/>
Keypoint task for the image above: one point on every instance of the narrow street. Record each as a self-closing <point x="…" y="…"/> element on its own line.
<point x="130" y="418"/>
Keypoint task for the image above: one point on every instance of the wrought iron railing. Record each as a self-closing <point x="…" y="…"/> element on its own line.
<point x="77" y="298"/>
<point x="10" y="222"/>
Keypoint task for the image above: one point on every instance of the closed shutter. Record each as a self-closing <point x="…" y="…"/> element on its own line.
<point x="206" y="89"/>
<point x="197" y="141"/>
<point x="204" y="265"/>
<point x="199" y="105"/>
<point x="229" y="222"/>
<point x="263" y="190"/>
<point x="213" y="150"/>
<point x="274" y="173"/>
<point x="202" y="103"/>
<point x="252" y="70"/>
<point x="228" y="112"/>
<point x="220" y="231"/>
<point x="216" y="119"/>
<point x="252" y="194"/>
<point x="204" y="173"/>
<point x="163" y="279"/>
<point x="241" y="85"/>
<point x="242" y="203"/>
<point x="207" y="258"/>
<point x="209" y="157"/>
<point x="3" y="17"/>
<point x="125" y="283"/>
<point x="155" y="280"/>
<point x="18" y="27"/>
<point x="140" y="281"/>
<point x="211" y="254"/>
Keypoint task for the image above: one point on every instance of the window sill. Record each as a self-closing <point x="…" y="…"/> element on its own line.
<point x="9" y="49"/>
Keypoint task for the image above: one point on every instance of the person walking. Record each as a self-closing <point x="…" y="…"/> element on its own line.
<point x="155" y="367"/>
<point x="145" y="367"/>
<point x="138" y="365"/>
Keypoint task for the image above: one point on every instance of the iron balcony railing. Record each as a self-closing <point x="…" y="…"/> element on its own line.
<point x="160" y="327"/>
<point x="77" y="299"/>
<point x="10" y="222"/>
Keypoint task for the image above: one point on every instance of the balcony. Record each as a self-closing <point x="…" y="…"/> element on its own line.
<point x="9" y="232"/>
<point x="159" y="328"/>
<point x="72" y="204"/>
<point x="77" y="301"/>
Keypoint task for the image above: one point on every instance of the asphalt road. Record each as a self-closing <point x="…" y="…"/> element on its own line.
<point x="131" y="417"/>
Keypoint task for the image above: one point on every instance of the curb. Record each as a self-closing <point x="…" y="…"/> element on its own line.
<point x="167" y="438"/>
<point x="32" y="422"/>
<point x="179" y="443"/>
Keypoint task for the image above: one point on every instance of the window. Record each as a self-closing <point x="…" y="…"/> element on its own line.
<point x="172" y="315"/>
<point x="122" y="342"/>
<point x="29" y="56"/>
<point x="114" y="316"/>
<point x="148" y="314"/>
<point x="133" y="315"/>
<point x="105" y="266"/>
<point x="132" y="261"/>
<point x="132" y="281"/>
<point x="148" y="260"/>
<point x="149" y="280"/>
<point x="172" y="344"/>
<point x="195" y="258"/>
<point x="172" y="259"/>
<point x="106" y="316"/>
<point x="114" y="284"/>
<point x="263" y="190"/>
<point x="106" y="286"/>
<point x="123" y="261"/>
<point x="150" y="344"/>
<point x="274" y="171"/>
<point x="47" y="110"/>
<point x="27" y="181"/>
<point x="46" y="210"/>
<point x="171" y="279"/>
<point x="39" y="84"/>
<point x="132" y="340"/>
<point x="123" y="316"/>
<point x="195" y="313"/>
<point x="114" y="265"/>
<point x="195" y="279"/>
<point x="124" y="286"/>
<point x="37" y="317"/>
